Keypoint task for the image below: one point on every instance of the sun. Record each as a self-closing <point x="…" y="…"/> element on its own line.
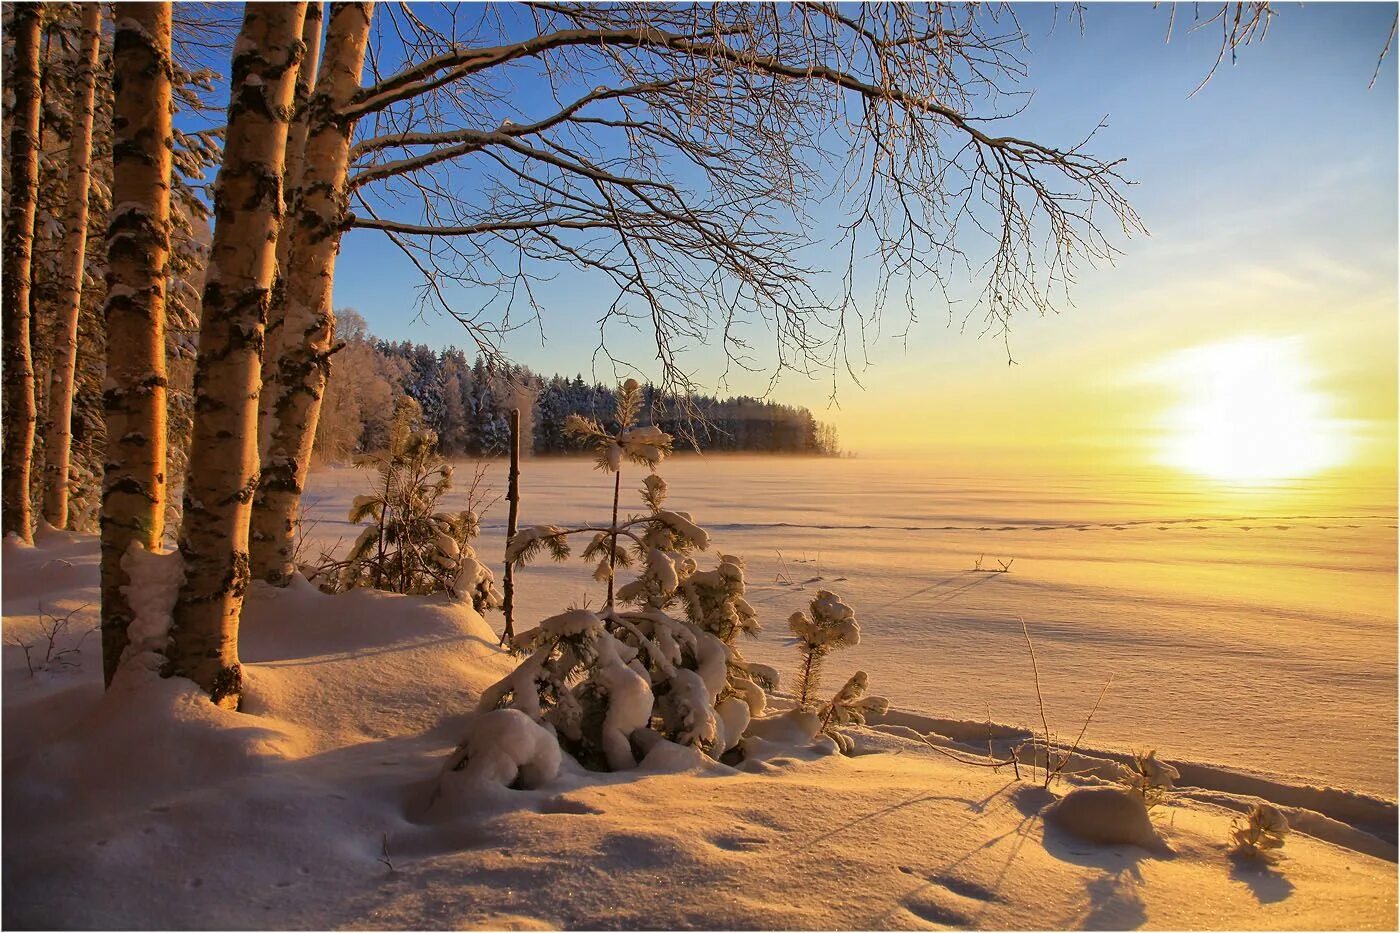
<point x="1250" y="412"/>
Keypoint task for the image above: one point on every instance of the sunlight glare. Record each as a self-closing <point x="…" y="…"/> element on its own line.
<point x="1250" y="413"/>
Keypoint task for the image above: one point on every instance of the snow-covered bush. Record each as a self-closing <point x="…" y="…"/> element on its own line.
<point x="661" y="655"/>
<point x="1148" y="777"/>
<point x="849" y="707"/>
<point x="830" y="624"/>
<point x="1262" y="829"/>
<point x="505" y="747"/>
<point x="408" y="545"/>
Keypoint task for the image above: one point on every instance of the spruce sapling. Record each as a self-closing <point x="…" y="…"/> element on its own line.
<point x="408" y="545"/>
<point x="660" y="658"/>
<point x="1262" y="829"/>
<point x="831" y="624"/>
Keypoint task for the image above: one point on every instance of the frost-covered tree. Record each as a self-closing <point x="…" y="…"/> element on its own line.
<point x="827" y="625"/>
<point x="1148" y="777"/>
<point x="409" y="545"/>
<point x="849" y="707"/>
<point x="660" y="658"/>
<point x="1262" y="829"/>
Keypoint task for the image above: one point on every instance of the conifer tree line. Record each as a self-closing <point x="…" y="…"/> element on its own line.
<point x="467" y="403"/>
<point x="171" y="235"/>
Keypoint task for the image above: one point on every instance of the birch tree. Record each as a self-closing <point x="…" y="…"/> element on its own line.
<point x="73" y="255"/>
<point x="756" y="107"/>
<point x="296" y="152"/>
<point x="138" y="249"/>
<point x="22" y="188"/>
<point x="223" y="466"/>
<point x="302" y="364"/>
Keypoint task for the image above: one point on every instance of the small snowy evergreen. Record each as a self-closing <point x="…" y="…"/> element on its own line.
<point x="829" y="624"/>
<point x="662" y="655"/>
<point x="1148" y="777"/>
<point x="407" y="545"/>
<point x="1260" y="830"/>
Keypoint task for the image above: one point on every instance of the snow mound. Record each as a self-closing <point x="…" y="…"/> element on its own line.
<point x="503" y="747"/>
<point x="1106" y="815"/>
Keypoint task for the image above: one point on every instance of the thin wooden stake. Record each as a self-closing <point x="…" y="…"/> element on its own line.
<point x="513" y="497"/>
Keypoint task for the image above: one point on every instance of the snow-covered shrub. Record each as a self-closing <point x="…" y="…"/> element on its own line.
<point x="849" y="708"/>
<point x="505" y="747"/>
<point x="661" y="655"/>
<point x="829" y="625"/>
<point x="1148" y="777"/>
<point x="1262" y="829"/>
<point x="407" y="544"/>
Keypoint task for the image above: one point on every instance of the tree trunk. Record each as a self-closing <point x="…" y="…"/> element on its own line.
<point x="223" y="467"/>
<point x="292" y="178"/>
<point x="303" y="362"/>
<point x="19" y="415"/>
<point x="513" y="497"/>
<point x="138" y="251"/>
<point x="73" y="255"/>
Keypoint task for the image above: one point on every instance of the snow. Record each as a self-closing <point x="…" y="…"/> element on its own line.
<point x="629" y="700"/>
<point x="1106" y="815"/>
<point x="503" y="747"/>
<point x="155" y="580"/>
<point x="332" y="798"/>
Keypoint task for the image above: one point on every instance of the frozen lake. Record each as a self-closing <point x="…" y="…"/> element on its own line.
<point x="1254" y="628"/>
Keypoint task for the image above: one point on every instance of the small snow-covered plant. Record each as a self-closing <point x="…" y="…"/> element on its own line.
<point x="1262" y="829"/>
<point x="849" y="707"/>
<point x="660" y="658"/>
<point x="830" y="624"/>
<point x="408" y="545"/>
<point x="1148" y="777"/>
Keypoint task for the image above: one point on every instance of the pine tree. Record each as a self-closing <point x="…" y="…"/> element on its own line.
<point x="615" y="681"/>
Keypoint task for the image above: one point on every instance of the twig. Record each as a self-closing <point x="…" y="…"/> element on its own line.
<point x="384" y="857"/>
<point x="1039" y="698"/>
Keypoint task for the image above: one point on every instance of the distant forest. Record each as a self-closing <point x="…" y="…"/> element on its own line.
<point x="467" y="402"/>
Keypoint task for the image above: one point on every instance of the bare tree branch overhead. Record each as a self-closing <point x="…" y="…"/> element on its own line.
<point x="679" y="151"/>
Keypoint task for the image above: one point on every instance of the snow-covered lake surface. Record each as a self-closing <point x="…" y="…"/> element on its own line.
<point x="1254" y="629"/>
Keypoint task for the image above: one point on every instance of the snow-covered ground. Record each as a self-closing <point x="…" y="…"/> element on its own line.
<point x="1249" y="628"/>
<point x="152" y="808"/>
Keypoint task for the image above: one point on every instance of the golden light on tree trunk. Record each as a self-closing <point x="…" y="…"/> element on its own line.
<point x="301" y="365"/>
<point x="73" y="253"/>
<point x="138" y="249"/>
<point x="23" y="156"/>
<point x="223" y="467"/>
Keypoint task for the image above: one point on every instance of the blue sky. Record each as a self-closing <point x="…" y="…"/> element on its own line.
<point x="1270" y="197"/>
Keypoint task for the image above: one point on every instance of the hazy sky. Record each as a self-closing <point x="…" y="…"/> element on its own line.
<point x="1270" y="197"/>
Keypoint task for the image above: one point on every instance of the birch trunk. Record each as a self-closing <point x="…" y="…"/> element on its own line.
<point x="223" y="468"/>
<point x="73" y="256"/>
<point x="302" y="364"/>
<point x="138" y="252"/>
<point x="292" y="178"/>
<point x="23" y="156"/>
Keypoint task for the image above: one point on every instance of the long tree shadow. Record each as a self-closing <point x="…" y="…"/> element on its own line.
<point x="1261" y="876"/>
